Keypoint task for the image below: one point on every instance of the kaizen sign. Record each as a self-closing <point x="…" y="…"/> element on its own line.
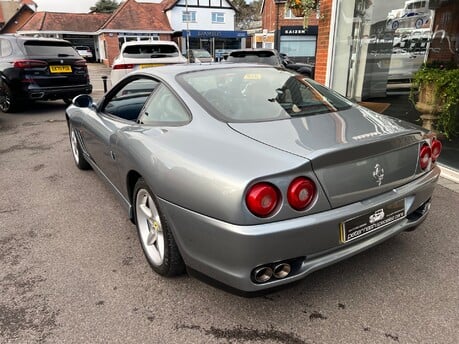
<point x="298" y="30"/>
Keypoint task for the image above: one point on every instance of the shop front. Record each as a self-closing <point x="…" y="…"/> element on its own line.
<point x="215" y="42"/>
<point x="382" y="43"/>
<point x="376" y="47"/>
<point x="299" y="43"/>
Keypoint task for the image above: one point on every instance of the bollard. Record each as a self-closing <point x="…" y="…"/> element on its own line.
<point x="104" y="80"/>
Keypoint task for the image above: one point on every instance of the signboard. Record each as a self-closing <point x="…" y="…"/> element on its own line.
<point x="298" y="31"/>
<point x="214" y="34"/>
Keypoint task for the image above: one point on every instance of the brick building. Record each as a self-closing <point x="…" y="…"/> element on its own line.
<point x="286" y="33"/>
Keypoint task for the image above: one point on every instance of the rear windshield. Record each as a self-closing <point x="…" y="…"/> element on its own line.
<point x="259" y="94"/>
<point x="150" y="51"/>
<point x="47" y="48"/>
<point x="201" y="53"/>
<point x="264" y="57"/>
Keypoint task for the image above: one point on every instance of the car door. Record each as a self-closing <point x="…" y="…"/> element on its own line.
<point x="119" y="109"/>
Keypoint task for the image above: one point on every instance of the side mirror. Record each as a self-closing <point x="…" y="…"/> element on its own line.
<point x="82" y="101"/>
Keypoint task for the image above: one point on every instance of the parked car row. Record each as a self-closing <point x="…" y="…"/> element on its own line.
<point x="49" y="69"/>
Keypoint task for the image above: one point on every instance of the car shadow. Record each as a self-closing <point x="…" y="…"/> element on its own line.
<point x="42" y="107"/>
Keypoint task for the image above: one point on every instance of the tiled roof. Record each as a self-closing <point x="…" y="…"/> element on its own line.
<point x="168" y="4"/>
<point x="77" y="22"/>
<point x="132" y="15"/>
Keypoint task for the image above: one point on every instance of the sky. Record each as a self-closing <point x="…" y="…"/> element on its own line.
<point x="77" y="6"/>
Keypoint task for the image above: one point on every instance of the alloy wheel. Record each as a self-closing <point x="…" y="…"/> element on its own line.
<point x="150" y="228"/>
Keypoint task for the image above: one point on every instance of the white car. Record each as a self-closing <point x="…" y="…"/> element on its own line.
<point x="84" y="51"/>
<point x="144" y="54"/>
<point x="415" y="13"/>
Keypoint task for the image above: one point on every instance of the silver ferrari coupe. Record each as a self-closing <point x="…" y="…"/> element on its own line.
<point x="250" y="175"/>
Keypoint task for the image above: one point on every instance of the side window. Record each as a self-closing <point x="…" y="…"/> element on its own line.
<point x="164" y="108"/>
<point x="128" y="101"/>
<point x="5" y="48"/>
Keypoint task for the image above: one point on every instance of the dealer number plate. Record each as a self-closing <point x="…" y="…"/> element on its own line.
<point x="60" y="69"/>
<point x="369" y="222"/>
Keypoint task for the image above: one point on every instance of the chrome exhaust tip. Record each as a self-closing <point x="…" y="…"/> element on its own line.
<point x="281" y="270"/>
<point x="37" y="95"/>
<point x="263" y="274"/>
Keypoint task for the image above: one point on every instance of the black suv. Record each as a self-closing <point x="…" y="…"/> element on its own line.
<point x="39" y="69"/>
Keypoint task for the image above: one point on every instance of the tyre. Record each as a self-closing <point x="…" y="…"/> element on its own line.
<point x="419" y="23"/>
<point x="395" y="25"/>
<point x="155" y="236"/>
<point x="77" y="152"/>
<point x="67" y="101"/>
<point x="7" y="101"/>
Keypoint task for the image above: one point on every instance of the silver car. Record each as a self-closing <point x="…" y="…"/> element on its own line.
<point x="251" y="175"/>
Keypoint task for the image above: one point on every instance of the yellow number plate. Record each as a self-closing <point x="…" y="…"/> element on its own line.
<point x="142" y="66"/>
<point x="60" y="69"/>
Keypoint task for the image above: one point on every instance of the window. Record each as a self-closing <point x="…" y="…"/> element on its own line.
<point x="49" y="48"/>
<point x="151" y="51"/>
<point x="129" y="99"/>
<point x="164" y="108"/>
<point x="5" y="47"/>
<point x="189" y="17"/>
<point x="259" y="94"/>
<point x="218" y="17"/>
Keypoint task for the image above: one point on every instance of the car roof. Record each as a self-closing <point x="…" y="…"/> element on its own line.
<point x="150" y="42"/>
<point x="170" y="71"/>
<point x="255" y="50"/>
<point x="38" y="39"/>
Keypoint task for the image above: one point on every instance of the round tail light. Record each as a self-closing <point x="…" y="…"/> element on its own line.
<point x="425" y="156"/>
<point x="436" y="149"/>
<point x="262" y="199"/>
<point x="301" y="192"/>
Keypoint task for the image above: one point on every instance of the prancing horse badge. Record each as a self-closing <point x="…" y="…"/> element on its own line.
<point x="378" y="174"/>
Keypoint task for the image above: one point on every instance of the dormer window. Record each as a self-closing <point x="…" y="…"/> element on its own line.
<point x="218" y="17"/>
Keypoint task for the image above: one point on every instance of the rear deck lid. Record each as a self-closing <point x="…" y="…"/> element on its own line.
<point x="355" y="153"/>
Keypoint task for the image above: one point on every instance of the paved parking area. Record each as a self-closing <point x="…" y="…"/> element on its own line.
<point x="72" y="270"/>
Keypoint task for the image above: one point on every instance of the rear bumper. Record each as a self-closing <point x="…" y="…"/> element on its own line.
<point x="229" y="253"/>
<point x="57" y="92"/>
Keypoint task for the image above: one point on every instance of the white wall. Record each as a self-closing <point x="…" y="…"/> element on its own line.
<point x="203" y="16"/>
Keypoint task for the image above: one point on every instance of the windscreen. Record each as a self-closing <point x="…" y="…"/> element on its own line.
<point x="150" y="51"/>
<point x="49" y="48"/>
<point x="263" y="57"/>
<point x="260" y="94"/>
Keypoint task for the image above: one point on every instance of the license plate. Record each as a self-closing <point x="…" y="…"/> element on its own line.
<point x="150" y="65"/>
<point x="371" y="221"/>
<point x="60" y="69"/>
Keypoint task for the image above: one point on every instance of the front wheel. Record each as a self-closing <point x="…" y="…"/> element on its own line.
<point x="419" y="23"/>
<point x="77" y="152"/>
<point x="155" y="236"/>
